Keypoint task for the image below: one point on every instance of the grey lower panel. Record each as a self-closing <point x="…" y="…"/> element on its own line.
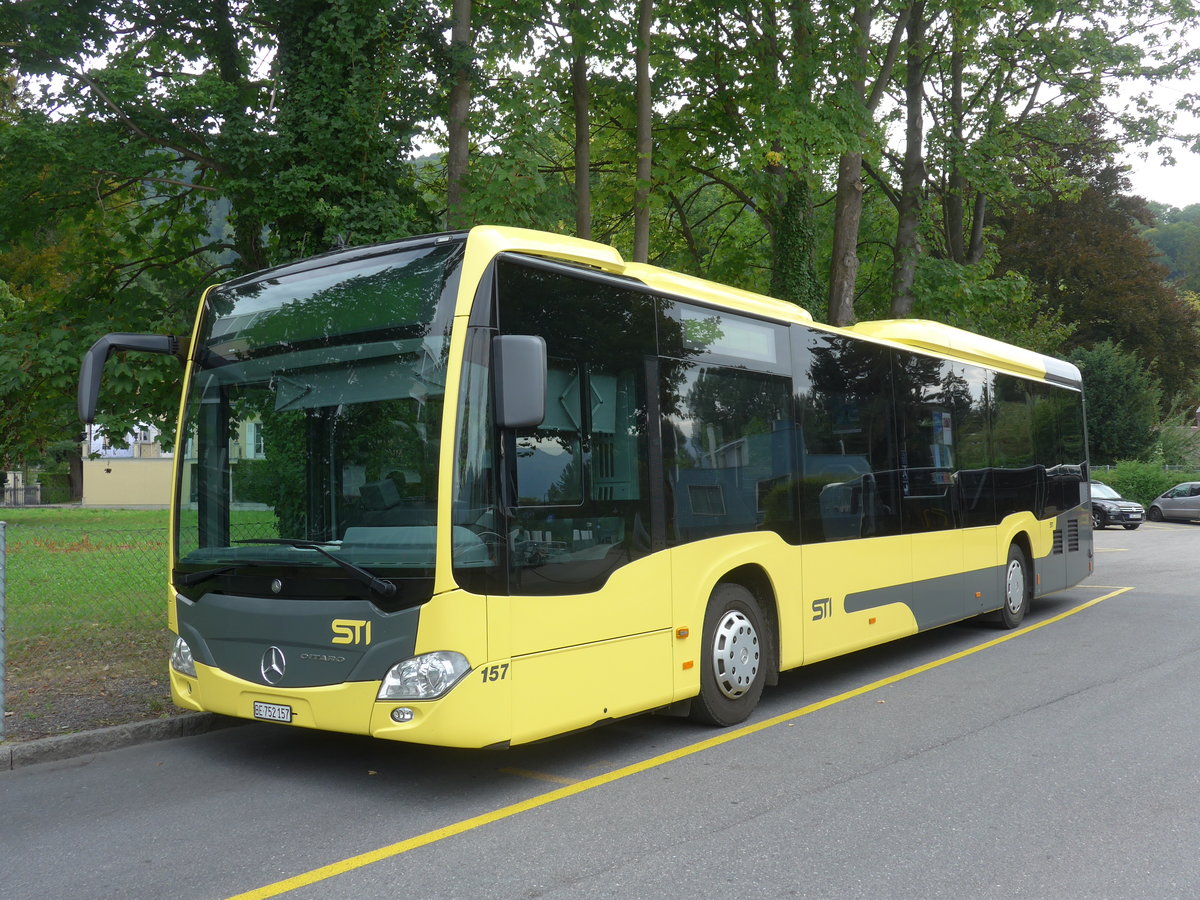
<point x="236" y="634"/>
<point x="937" y="601"/>
<point x="1070" y="560"/>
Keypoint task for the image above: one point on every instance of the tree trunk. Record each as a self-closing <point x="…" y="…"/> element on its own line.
<point x="583" y="136"/>
<point x="641" y="199"/>
<point x="793" y="271"/>
<point x="456" y="122"/>
<point x="912" y="176"/>
<point x="75" y="475"/>
<point x="847" y="213"/>
<point x="978" y="216"/>
<point x="955" y="222"/>
<point x="847" y="210"/>
<point x="793" y="274"/>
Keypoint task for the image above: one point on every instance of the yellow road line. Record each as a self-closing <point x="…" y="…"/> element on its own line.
<point x="540" y="776"/>
<point x="506" y="812"/>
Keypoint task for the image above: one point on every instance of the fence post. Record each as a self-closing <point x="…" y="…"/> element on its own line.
<point x="3" y="559"/>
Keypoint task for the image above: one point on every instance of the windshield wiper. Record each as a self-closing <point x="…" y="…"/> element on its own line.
<point x="189" y="578"/>
<point x="361" y="575"/>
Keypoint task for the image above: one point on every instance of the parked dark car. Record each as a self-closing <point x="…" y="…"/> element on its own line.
<point x="1110" y="508"/>
<point x="1180" y="502"/>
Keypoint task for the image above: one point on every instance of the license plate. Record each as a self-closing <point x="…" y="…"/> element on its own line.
<point x="272" y="712"/>
<point x="1135" y="515"/>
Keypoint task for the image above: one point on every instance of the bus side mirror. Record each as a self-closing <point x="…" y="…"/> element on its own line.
<point x="95" y="358"/>
<point x="519" y="380"/>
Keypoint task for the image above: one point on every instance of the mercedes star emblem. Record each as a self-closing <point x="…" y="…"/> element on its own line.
<point x="273" y="666"/>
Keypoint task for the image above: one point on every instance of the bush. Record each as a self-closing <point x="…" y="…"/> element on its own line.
<point x="1142" y="481"/>
<point x="1122" y="402"/>
<point x="56" y="487"/>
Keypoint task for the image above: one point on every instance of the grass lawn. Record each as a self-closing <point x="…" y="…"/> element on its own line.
<point x="86" y="608"/>
<point x="85" y="604"/>
<point x="73" y="569"/>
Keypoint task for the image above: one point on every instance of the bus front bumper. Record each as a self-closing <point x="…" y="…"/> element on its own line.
<point x="472" y="714"/>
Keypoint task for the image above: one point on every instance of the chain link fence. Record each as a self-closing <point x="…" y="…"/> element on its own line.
<point x="82" y="628"/>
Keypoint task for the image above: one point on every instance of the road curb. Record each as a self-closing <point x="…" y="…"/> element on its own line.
<point x="84" y="743"/>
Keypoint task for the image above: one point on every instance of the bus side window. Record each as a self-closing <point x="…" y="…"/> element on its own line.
<point x="1019" y="484"/>
<point x="929" y="393"/>
<point x="549" y="458"/>
<point x="849" y="477"/>
<point x="731" y="449"/>
<point x="580" y="508"/>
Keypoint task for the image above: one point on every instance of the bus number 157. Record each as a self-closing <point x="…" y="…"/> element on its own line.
<point x="494" y="673"/>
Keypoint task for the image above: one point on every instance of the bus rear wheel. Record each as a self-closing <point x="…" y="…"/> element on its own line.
<point x="733" y="660"/>
<point x="1018" y="588"/>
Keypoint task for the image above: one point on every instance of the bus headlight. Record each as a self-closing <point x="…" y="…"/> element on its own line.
<point x="424" y="677"/>
<point x="181" y="658"/>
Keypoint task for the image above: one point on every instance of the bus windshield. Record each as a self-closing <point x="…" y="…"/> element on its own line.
<point x="313" y="416"/>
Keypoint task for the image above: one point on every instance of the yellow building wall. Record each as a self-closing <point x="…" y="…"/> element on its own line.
<point x="127" y="482"/>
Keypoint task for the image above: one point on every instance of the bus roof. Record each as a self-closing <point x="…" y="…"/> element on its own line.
<point x="919" y="334"/>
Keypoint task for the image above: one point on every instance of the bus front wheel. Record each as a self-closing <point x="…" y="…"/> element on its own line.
<point x="1018" y="588"/>
<point x="733" y="660"/>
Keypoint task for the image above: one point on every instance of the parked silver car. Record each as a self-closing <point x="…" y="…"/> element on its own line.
<point x="1110" y="508"/>
<point x="1180" y="502"/>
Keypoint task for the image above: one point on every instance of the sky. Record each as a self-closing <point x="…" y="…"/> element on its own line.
<point x="1177" y="185"/>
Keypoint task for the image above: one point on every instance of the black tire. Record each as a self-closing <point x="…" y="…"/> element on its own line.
<point x="1155" y="514"/>
<point x="733" y="657"/>
<point x="1133" y="527"/>
<point x="1018" y="588"/>
<point x="1099" y="520"/>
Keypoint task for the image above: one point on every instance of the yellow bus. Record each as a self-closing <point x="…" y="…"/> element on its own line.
<point x="480" y="488"/>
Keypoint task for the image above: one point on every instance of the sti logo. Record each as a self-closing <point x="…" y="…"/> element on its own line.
<point x="351" y="631"/>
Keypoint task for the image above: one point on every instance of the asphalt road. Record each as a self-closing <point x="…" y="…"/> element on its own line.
<point x="1057" y="762"/>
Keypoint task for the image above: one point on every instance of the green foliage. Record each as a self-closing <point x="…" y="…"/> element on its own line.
<point x="1122" y="402"/>
<point x="150" y="148"/>
<point x="1177" y="440"/>
<point x="56" y="487"/>
<point x="1000" y="307"/>
<point x="1178" y="244"/>
<point x="78" y="280"/>
<point x="1085" y="261"/>
<point x="199" y="138"/>
<point x="1142" y="481"/>
<point x="1176" y="445"/>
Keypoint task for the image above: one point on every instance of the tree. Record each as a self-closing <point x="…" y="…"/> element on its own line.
<point x="1178" y="243"/>
<point x="1003" y="86"/>
<point x="581" y="112"/>
<point x="298" y="113"/>
<point x="907" y="249"/>
<point x="290" y="121"/>
<point x="641" y="198"/>
<point x="457" y="132"/>
<point x="54" y="303"/>
<point x="1084" y="259"/>
<point x="1122" y="402"/>
<point x="848" y="210"/>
